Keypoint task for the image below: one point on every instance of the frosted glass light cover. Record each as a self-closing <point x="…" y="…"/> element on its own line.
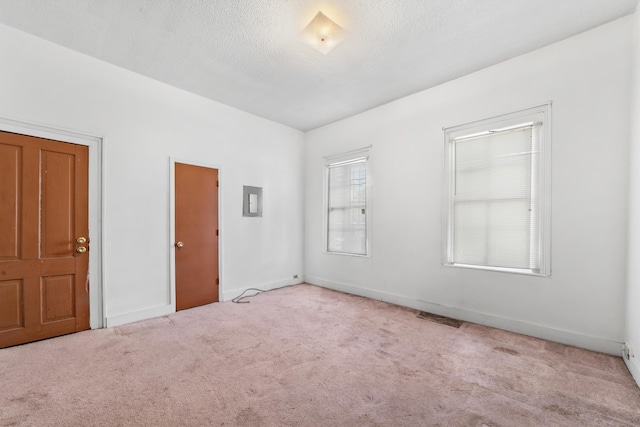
<point x="323" y="34"/>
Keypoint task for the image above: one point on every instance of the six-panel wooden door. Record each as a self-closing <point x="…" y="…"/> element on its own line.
<point x="44" y="241"/>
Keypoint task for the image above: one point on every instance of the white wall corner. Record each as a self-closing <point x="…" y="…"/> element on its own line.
<point x="135" y="316"/>
<point x="632" y="335"/>
<point x="236" y="292"/>
<point x="630" y="358"/>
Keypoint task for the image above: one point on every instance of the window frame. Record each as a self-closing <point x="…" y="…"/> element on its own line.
<point x="348" y="156"/>
<point x="538" y="115"/>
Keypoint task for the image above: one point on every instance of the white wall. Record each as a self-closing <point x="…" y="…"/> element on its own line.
<point x="632" y="337"/>
<point x="144" y="122"/>
<point x="588" y="79"/>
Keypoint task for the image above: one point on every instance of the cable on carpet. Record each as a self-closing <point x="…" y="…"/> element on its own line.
<point x="240" y="299"/>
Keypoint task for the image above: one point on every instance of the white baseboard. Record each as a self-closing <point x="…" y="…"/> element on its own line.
<point x="163" y="310"/>
<point x="134" y="316"/>
<point x="231" y="294"/>
<point x="575" y="339"/>
<point x="633" y="363"/>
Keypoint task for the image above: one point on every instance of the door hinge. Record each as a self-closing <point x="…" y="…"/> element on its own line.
<point x="217" y="232"/>
<point x="217" y="281"/>
<point x="217" y="183"/>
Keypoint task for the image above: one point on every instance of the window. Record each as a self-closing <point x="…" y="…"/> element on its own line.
<point x="497" y="207"/>
<point x="347" y="203"/>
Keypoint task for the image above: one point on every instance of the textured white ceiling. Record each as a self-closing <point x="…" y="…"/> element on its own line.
<point x="248" y="53"/>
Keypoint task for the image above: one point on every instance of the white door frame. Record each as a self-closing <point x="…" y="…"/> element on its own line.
<point x="97" y="307"/>
<point x="172" y="226"/>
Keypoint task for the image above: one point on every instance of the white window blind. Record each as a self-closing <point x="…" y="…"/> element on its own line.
<point x="497" y="198"/>
<point x="347" y="204"/>
<point x="495" y="201"/>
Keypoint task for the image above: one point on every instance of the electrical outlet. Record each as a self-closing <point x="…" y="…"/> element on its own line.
<point x="625" y="352"/>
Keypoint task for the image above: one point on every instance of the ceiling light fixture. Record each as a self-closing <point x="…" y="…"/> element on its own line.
<point x="323" y="34"/>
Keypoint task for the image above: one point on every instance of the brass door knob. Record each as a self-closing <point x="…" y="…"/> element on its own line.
<point x="81" y="250"/>
<point x="179" y="244"/>
<point x="81" y="240"/>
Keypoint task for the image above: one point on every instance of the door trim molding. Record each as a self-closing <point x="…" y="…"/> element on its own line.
<point x="97" y="308"/>
<point x="172" y="227"/>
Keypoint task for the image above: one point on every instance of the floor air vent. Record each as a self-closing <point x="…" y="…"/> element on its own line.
<point x="440" y="319"/>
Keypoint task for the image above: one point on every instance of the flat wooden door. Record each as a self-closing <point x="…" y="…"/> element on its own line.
<point x="44" y="288"/>
<point x="196" y="211"/>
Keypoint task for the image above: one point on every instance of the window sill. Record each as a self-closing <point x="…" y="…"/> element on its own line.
<point x="520" y="271"/>
<point x="347" y="254"/>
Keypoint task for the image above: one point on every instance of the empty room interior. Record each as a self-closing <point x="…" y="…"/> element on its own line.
<point x="319" y="212"/>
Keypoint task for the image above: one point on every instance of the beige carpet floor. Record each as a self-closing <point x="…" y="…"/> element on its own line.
<point x="307" y="356"/>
